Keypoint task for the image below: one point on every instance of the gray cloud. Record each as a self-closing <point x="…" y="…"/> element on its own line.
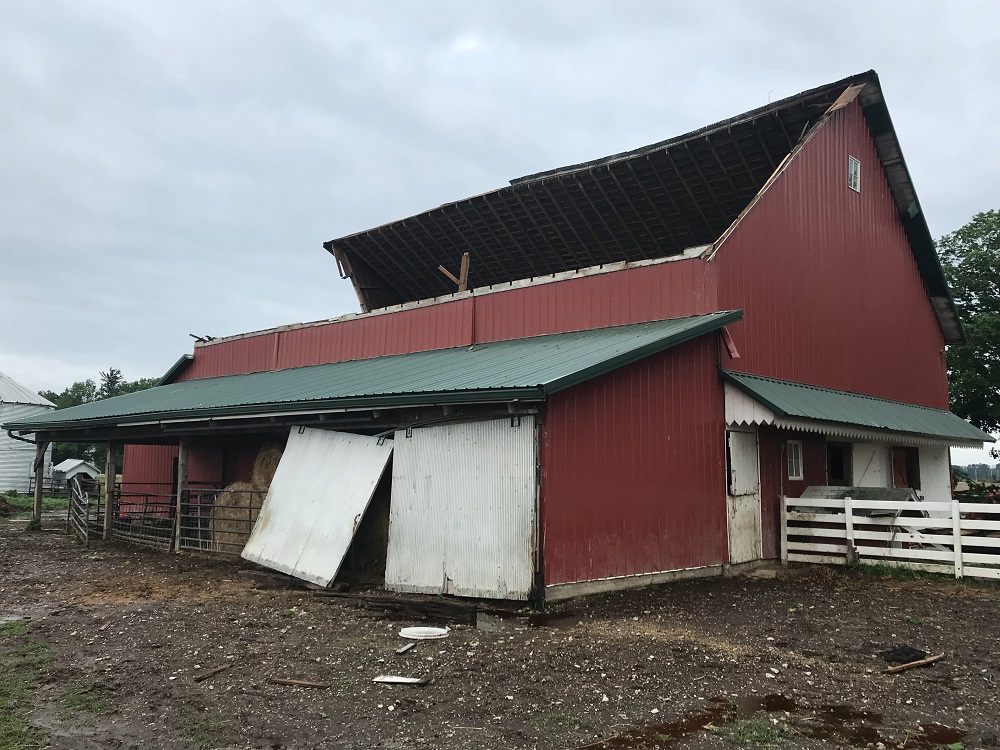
<point x="173" y="168"/>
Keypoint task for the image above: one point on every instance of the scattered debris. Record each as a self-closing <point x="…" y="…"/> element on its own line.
<point x="918" y="663"/>
<point x="424" y="634"/>
<point x="212" y="672"/>
<point x="434" y="608"/>
<point x="297" y="683"/>
<point x="391" y="679"/>
<point x="407" y="647"/>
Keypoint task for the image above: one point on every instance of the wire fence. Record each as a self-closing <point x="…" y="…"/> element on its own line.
<point x="219" y="520"/>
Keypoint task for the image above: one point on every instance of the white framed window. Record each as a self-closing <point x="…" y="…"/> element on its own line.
<point x="795" y="460"/>
<point x="854" y="174"/>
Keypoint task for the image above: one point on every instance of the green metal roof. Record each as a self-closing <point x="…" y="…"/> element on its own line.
<point x="800" y="401"/>
<point x="524" y="369"/>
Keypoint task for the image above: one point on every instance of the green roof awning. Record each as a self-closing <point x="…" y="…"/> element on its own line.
<point x="797" y="401"/>
<point x="521" y="369"/>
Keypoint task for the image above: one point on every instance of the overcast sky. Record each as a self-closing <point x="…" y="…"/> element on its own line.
<point x="169" y="168"/>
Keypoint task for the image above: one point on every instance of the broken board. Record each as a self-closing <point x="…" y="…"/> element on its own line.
<point x="316" y="501"/>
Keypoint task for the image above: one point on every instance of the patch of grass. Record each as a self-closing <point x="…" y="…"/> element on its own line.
<point x="27" y="502"/>
<point x="558" y="720"/>
<point x="20" y="658"/>
<point x="913" y="620"/>
<point x="85" y="699"/>
<point x="753" y="732"/>
<point x="881" y="570"/>
<point x="201" y="727"/>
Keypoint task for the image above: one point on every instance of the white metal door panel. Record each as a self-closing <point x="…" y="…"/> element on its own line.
<point x="317" y="498"/>
<point x="743" y="502"/>
<point x="463" y="510"/>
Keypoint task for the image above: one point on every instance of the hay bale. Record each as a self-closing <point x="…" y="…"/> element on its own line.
<point x="265" y="465"/>
<point x="233" y="515"/>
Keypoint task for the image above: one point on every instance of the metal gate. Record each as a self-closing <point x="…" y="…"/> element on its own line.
<point x="79" y="511"/>
<point x="463" y="510"/>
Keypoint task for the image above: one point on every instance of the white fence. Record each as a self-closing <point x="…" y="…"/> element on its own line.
<point x="940" y="537"/>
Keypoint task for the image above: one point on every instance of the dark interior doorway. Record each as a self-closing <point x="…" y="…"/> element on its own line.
<point x="838" y="464"/>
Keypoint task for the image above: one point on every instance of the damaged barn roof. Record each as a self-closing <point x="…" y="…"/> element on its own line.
<point x="518" y="369"/>
<point x="649" y="203"/>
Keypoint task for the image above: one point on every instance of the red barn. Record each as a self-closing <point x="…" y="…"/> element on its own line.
<point x="646" y="352"/>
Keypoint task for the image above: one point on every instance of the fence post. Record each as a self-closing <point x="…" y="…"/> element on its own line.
<point x="956" y="529"/>
<point x="182" y="486"/>
<point x="784" y="530"/>
<point x="852" y="551"/>
<point x="110" y="477"/>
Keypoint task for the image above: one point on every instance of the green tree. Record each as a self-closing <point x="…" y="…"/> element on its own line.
<point x="971" y="260"/>
<point x="111" y="383"/>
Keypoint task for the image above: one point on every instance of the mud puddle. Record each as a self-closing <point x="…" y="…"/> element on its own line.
<point x="843" y="724"/>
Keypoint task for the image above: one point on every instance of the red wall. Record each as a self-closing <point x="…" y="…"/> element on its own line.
<point x="827" y="281"/>
<point x="774" y="481"/>
<point x="633" y="469"/>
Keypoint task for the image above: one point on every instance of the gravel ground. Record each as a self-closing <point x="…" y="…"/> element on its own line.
<point x="109" y="639"/>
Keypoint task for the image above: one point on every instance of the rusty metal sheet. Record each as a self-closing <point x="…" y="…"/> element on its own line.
<point x="317" y="498"/>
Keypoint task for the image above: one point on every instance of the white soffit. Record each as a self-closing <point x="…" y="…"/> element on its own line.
<point x="317" y="498"/>
<point x="743" y="410"/>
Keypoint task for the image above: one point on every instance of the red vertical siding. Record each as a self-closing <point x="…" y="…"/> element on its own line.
<point x="148" y="469"/>
<point x="633" y="469"/>
<point x="774" y="481"/>
<point x="826" y="278"/>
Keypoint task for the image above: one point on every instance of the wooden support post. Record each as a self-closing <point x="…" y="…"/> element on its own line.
<point x="956" y="530"/>
<point x="182" y="486"/>
<point x="784" y="530"/>
<point x="36" y="512"/>
<point x="463" y="274"/>
<point x="852" y="552"/>
<point x="110" y="477"/>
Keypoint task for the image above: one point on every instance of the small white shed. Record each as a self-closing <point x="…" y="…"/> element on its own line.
<point x="64" y="471"/>
<point x="16" y="457"/>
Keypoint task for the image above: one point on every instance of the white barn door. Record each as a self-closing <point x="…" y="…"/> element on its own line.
<point x="462" y="516"/>
<point x="743" y="500"/>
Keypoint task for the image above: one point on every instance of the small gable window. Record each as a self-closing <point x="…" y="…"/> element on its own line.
<point x="854" y="174"/>
<point x="795" y="460"/>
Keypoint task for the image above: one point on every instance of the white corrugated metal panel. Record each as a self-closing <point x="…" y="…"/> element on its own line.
<point x="463" y="510"/>
<point x="12" y="392"/>
<point x="319" y="493"/>
<point x="16" y="457"/>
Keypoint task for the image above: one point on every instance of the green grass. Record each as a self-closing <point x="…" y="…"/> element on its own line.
<point x="756" y="733"/>
<point x="881" y="570"/>
<point x="201" y="727"/>
<point x="20" y="659"/>
<point x="26" y="503"/>
<point x="85" y="699"/>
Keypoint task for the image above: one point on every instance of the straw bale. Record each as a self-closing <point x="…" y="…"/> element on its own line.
<point x="265" y="465"/>
<point x="233" y="514"/>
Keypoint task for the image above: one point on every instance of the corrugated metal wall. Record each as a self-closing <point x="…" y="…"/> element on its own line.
<point x="774" y="481"/>
<point x="149" y="469"/>
<point x="463" y="508"/>
<point x="17" y="458"/>
<point x="634" y="469"/>
<point x="827" y="281"/>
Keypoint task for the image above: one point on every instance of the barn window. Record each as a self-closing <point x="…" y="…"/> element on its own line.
<point x="795" y="460"/>
<point x="853" y="174"/>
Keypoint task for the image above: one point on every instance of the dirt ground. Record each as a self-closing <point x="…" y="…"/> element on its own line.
<point x="100" y="648"/>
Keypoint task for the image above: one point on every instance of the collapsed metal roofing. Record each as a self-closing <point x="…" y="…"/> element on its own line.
<point x="649" y="203"/>
<point x="518" y="369"/>
<point x="797" y="400"/>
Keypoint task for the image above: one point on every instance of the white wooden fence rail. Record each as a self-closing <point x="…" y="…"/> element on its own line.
<point x="940" y="537"/>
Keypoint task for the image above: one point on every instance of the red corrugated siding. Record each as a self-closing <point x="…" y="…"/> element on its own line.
<point x="774" y="481"/>
<point x="147" y="469"/>
<point x="633" y="469"/>
<point x="831" y="293"/>
<point x="666" y="290"/>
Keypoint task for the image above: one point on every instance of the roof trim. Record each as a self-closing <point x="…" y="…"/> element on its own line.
<point x="176" y="369"/>
<point x="949" y="425"/>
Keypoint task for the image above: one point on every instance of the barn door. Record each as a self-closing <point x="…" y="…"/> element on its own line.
<point x="743" y="501"/>
<point x="315" y="503"/>
<point x="461" y="520"/>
